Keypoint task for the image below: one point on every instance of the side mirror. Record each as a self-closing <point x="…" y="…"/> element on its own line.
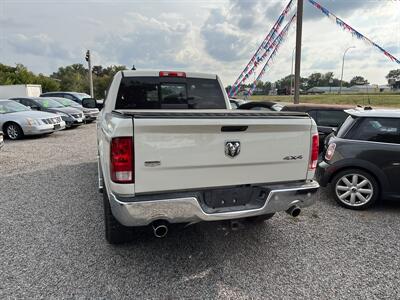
<point x="89" y="103"/>
<point x="100" y="104"/>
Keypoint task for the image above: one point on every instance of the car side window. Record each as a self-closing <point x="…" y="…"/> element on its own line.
<point x="331" y="118"/>
<point x="384" y="130"/>
<point x="24" y="102"/>
<point x="33" y="104"/>
<point x="68" y="97"/>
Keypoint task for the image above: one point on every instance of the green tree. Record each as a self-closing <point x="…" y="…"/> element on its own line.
<point x="284" y="83"/>
<point x="21" y="75"/>
<point x="358" y="80"/>
<point x="73" y="78"/>
<point x="314" y="79"/>
<point x="393" y="78"/>
<point x="48" y="84"/>
<point x="102" y="79"/>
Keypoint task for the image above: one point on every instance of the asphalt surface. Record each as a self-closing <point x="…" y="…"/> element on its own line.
<point x="53" y="246"/>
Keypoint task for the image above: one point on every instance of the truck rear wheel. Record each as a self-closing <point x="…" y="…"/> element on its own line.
<point x="116" y="233"/>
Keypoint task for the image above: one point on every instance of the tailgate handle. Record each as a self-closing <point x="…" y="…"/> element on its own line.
<point x="233" y="128"/>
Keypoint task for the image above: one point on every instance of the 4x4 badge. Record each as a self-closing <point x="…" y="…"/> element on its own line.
<point x="293" y="157"/>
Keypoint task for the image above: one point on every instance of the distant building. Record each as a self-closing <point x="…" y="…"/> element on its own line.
<point x="384" y="88"/>
<point x="367" y="88"/>
<point x="364" y="89"/>
<point x="327" y="90"/>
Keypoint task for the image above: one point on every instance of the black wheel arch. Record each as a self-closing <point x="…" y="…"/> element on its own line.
<point x="11" y="122"/>
<point x="362" y="165"/>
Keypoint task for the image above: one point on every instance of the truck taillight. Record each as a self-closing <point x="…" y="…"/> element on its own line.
<point x="172" y="74"/>
<point x="121" y="160"/>
<point x="330" y="151"/>
<point x="314" y="152"/>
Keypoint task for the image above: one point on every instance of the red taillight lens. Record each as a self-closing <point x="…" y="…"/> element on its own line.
<point x="121" y="155"/>
<point x="314" y="152"/>
<point x="330" y="151"/>
<point x="172" y="74"/>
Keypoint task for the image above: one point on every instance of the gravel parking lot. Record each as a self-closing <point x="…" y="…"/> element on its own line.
<point x="52" y="243"/>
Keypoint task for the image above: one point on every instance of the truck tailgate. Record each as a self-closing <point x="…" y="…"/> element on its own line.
<point x="188" y="151"/>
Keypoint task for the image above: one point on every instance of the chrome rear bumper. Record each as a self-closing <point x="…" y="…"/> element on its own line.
<point x="188" y="210"/>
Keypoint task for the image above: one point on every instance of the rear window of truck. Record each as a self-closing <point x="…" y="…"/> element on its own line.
<point x="169" y="93"/>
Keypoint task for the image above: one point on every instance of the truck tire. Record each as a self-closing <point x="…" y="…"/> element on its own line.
<point x="259" y="219"/>
<point x="116" y="233"/>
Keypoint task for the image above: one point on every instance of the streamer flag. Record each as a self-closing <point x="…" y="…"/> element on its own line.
<point x="275" y="45"/>
<point x="261" y="52"/>
<point x="350" y="29"/>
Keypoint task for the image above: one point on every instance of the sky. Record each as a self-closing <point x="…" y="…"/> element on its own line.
<point x="217" y="36"/>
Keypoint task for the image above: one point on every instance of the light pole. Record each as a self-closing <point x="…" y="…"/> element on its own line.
<point x="341" y="77"/>
<point x="299" y="28"/>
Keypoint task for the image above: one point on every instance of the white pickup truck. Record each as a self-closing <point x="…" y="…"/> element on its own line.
<point x="171" y="150"/>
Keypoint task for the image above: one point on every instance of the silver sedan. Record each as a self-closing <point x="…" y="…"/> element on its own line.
<point x="17" y="120"/>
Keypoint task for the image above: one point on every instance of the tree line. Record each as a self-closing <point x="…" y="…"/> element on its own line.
<point x="75" y="77"/>
<point x="322" y="80"/>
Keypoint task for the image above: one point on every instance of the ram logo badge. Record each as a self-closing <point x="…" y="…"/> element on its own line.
<point x="232" y="148"/>
<point x="293" y="157"/>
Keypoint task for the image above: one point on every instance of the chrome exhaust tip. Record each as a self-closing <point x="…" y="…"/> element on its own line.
<point x="294" y="211"/>
<point x="160" y="229"/>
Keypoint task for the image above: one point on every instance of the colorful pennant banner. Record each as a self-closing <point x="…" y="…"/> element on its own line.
<point x="277" y="43"/>
<point x="350" y="29"/>
<point x="261" y="52"/>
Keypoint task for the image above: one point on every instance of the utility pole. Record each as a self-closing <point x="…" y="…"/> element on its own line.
<point x="299" y="28"/>
<point x="291" y="73"/>
<point x="89" y="60"/>
<point x="341" y="77"/>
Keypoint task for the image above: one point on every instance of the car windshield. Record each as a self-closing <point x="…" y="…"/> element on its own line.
<point x="11" y="106"/>
<point x="49" y="103"/>
<point x="81" y="95"/>
<point x="67" y="102"/>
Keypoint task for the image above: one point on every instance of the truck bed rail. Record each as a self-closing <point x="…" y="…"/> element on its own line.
<point x="210" y="115"/>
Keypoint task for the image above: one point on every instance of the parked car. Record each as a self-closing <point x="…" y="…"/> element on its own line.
<point x="1" y="139"/>
<point x="362" y="161"/>
<point x="74" y="96"/>
<point x="158" y="165"/>
<point x="17" y="120"/>
<point x="261" y="105"/>
<point x="90" y="113"/>
<point x="328" y="117"/>
<point x="235" y="103"/>
<point x="71" y="116"/>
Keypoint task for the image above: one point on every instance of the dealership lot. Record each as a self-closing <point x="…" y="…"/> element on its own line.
<point x="53" y="244"/>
